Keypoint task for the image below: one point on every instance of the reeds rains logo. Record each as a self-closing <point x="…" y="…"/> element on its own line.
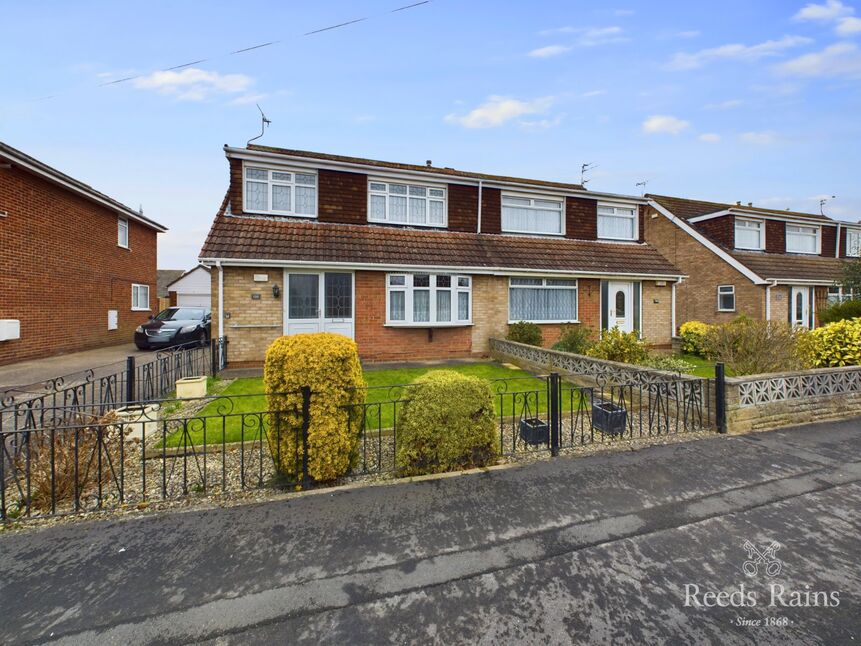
<point x="761" y="563"/>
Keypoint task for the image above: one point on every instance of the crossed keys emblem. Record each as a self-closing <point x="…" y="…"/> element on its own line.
<point x="757" y="557"/>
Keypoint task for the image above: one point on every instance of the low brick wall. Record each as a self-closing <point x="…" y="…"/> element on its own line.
<point x="760" y="402"/>
<point x="584" y="369"/>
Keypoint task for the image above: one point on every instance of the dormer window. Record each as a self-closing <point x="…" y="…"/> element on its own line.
<point x="801" y="239"/>
<point x="749" y="234"/>
<point x="280" y="192"/>
<point x="538" y="215"/>
<point x="409" y="204"/>
<point x="617" y="222"/>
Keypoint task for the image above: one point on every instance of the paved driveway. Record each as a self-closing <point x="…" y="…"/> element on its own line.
<point x="601" y="549"/>
<point x="109" y="359"/>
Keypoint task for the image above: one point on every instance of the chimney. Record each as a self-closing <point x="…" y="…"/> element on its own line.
<point x="429" y="163"/>
<point x="738" y="203"/>
<point x="750" y="204"/>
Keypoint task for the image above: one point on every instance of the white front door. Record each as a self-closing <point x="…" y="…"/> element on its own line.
<point x="799" y="306"/>
<point x="620" y="306"/>
<point x="318" y="302"/>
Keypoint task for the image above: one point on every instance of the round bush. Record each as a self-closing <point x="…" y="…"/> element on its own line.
<point x="835" y="344"/>
<point x="524" y="332"/>
<point x="575" y="339"/>
<point x="624" y="347"/>
<point x="693" y="335"/>
<point x="446" y="425"/>
<point x="329" y="365"/>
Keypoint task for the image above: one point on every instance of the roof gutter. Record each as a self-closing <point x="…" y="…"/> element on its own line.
<point x="400" y="267"/>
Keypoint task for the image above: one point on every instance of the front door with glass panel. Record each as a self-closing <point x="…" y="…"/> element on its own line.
<point x="620" y="306"/>
<point x="318" y="302"/>
<point x="800" y="306"/>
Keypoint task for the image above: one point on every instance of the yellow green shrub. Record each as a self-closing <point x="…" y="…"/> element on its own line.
<point x="329" y="365"/>
<point x="693" y="334"/>
<point x="835" y="344"/>
<point x="615" y="345"/>
<point x="447" y="424"/>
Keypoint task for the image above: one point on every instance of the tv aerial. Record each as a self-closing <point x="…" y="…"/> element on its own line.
<point x="264" y="123"/>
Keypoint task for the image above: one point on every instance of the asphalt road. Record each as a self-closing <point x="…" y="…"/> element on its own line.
<point x="592" y="550"/>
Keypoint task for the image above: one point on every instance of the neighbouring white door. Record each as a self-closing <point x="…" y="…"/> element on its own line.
<point x="800" y="306"/>
<point x="620" y="306"/>
<point x="318" y="302"/>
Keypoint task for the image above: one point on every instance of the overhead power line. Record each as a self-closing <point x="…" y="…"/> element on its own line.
<point x="244" y="50"/>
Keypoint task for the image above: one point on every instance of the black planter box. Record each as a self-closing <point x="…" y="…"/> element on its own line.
<point x="534" y="431"/>
<point x="609" y="418"/>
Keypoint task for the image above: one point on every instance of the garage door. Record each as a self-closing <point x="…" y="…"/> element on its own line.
<point x="193" y="300"/>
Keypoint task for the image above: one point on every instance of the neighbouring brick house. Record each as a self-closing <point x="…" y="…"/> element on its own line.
<point x="422" y="262"/>
<point x="77" y="268"/>
<point x="742" y="259"/>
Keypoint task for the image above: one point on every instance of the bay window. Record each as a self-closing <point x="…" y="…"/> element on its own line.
<point x="522" y="214"/>
<point x="280" y="192"/>
<point x="394" y="203"/>
<point x="542" y="300"/>
<point x="801" y="239"/>
<point x="428" y="300"/>
<point x="749" y="234"/>
<point x="617" y="222"/>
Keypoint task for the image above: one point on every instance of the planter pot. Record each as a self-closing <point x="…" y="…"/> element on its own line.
<point x="137" y="419"/>
<point x="534" y="431"/>
<point x="609" y="418"/>
<point x="190" y="387"/>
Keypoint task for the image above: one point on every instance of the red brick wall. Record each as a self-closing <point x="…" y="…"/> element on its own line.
<point x="581" y="219"/>
<point x="829" y="241"/>
<point x="61" y="269"/>
<point x="719" y="230"/>
<point x="342" y="197"/>
<point x="463" y="208"/>
<point x="775" y="236"/>
<point x="235" y="192"/>
<point x="491" y="210"/>
<point x="379" y="343"/>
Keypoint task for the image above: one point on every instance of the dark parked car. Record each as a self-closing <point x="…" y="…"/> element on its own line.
<point x="175" y="326"/>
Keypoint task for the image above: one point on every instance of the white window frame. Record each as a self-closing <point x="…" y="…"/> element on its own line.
<point x="731" y="291"/>
<point x="853" y="251"/>
<point x="575" y="288"/>
<point x="748" y="221"/>
<point x="427" y="198"/>
<point x="136" y="288"/>
<point x="841" y="294"/>
<point x="533" y="198"/>
<point x="635" y="218"/>
<point x="122" y="225"/>
<point x="460" y="283"/>
<point x="271" y="182"/>
<point x="816" y="233"/>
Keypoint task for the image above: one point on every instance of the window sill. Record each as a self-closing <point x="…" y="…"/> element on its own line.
<point x="124" y="246"/>
<point x="609" y="239"/>
<point x="726" y="311"/>
<point x="429" y="325"/>
<point x="409" y="224"/>
<point x="279" y="214"/>
<point x="543" y="234"/>
<point x="141" y="309"/>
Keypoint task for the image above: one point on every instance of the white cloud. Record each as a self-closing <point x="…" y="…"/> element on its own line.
<point x="664" y="124"/>
<point x="709" y="137"/>
<point x="725" y="105"/>
<point x="498" y="110"/>
<point x="591" y="36"/>
<point x="831" y="10"/>
<point x="838" y="60"/>
<point x="542" y="124"/>
<point x="764" y="138"/>
<point x="550" y="50"/>
<point x="194" y="84"/>
<point x="848" y="27"/>
<point x="735" y="52"/>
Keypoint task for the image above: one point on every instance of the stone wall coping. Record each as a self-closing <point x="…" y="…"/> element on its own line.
<point x="630" y="367"/>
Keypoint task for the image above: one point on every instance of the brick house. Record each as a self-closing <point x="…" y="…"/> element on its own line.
<point x="741" y="259"/>
<point x="77" y="268"/>
<point x="422" y="262"/>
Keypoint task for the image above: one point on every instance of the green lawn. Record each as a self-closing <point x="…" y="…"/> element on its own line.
<point x="704" y="368"/>
<point x="245" y="397"/>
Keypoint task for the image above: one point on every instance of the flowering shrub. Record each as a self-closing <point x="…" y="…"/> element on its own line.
<point x="693" y="335"/>
<point x="835" y="344"/>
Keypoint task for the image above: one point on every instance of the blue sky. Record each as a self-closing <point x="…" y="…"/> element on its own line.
<point x="751" y="101"/>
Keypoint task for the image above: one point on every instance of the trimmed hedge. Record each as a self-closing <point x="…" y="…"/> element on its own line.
<point x="840" y="312"/>
<point x="329" y="365"/>
<point x="524" y="332"/>
<point x="447" y="424"/>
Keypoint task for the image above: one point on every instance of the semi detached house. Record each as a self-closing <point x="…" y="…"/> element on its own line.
<point x="422" y="262"/>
